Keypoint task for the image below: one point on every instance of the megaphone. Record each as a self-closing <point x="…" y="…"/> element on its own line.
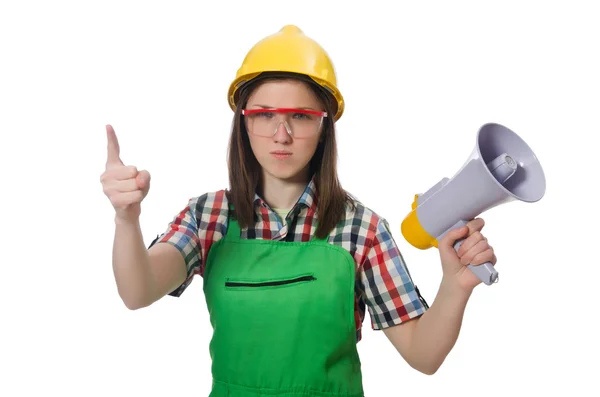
<point x="500" y="169"/>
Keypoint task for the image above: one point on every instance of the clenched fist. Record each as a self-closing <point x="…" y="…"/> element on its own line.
<point x="124" y="185"/>
<point x="475" y="250"/>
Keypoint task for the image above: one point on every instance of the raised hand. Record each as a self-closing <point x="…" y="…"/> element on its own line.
<point x="124" y="185"/>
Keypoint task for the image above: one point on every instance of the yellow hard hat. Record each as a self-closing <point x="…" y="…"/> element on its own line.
<point x="288" y="50"/>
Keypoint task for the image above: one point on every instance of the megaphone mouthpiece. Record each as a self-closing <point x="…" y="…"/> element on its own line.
<point x="502" y="167"/>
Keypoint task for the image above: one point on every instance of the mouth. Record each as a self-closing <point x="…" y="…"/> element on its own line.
<point x="281" y="154"/>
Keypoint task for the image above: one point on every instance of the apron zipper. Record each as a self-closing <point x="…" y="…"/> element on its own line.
<point x="269" y="283"/>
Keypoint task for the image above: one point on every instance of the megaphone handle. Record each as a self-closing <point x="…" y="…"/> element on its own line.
<point x="485" y="272"/>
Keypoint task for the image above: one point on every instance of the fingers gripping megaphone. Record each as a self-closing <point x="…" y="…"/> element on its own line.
<point x="501" y="168"/>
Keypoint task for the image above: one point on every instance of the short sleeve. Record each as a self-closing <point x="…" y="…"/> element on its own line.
<point x="182" y="233"/>
<point x="388" y="289"/>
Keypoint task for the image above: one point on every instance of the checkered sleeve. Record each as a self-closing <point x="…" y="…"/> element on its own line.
<point x="182" y="233"/>
<point x="389" y="291"/>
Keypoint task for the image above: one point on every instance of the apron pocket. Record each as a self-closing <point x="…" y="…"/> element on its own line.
<point x="269" y="283"/>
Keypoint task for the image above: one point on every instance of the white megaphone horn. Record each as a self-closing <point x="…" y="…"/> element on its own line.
<point x="501" y="168"/>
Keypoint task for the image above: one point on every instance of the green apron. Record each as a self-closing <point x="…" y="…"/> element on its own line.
<point x="283" y="318"/>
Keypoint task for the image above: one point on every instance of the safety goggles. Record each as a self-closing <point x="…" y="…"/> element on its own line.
<point x="299" y="123"/>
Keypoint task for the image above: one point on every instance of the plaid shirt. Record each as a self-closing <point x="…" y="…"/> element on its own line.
<point x="383" y="283"/>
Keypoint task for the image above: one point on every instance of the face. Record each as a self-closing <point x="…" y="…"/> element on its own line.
<point x="282" y="156"/>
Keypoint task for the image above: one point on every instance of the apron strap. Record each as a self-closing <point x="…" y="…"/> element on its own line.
<point x="233" y="228"/>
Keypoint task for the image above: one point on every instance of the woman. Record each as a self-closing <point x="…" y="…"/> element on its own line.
<point x="289" y="260"/>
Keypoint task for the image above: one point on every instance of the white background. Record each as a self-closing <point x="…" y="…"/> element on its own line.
<point x="419" y="81"/>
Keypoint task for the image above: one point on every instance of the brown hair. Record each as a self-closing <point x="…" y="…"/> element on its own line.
<point x="245" y="170"/>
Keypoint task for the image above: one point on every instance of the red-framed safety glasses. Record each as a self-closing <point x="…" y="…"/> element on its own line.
<point x="299" y="123"/>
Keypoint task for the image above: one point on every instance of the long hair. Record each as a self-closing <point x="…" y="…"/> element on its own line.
<point x="245" y="171"/>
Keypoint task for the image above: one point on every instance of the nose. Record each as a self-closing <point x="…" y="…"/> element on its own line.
<point x="282" y="133"/>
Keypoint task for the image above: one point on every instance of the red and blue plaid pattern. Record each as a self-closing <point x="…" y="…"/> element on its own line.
<point x="383" y="282"/>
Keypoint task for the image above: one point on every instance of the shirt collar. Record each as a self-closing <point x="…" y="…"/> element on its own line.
<point x="308" y="198"/>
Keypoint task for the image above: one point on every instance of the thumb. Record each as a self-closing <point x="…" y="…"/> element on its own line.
<point x="143" y="181"/>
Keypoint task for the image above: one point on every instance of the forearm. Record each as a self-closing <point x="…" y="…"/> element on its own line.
<point x="131" y="265"/>
<point x="437" y="329"/>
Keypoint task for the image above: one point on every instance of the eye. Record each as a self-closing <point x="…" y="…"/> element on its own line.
<point x="267" y="115"/>
<point x="302" y="116"/>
